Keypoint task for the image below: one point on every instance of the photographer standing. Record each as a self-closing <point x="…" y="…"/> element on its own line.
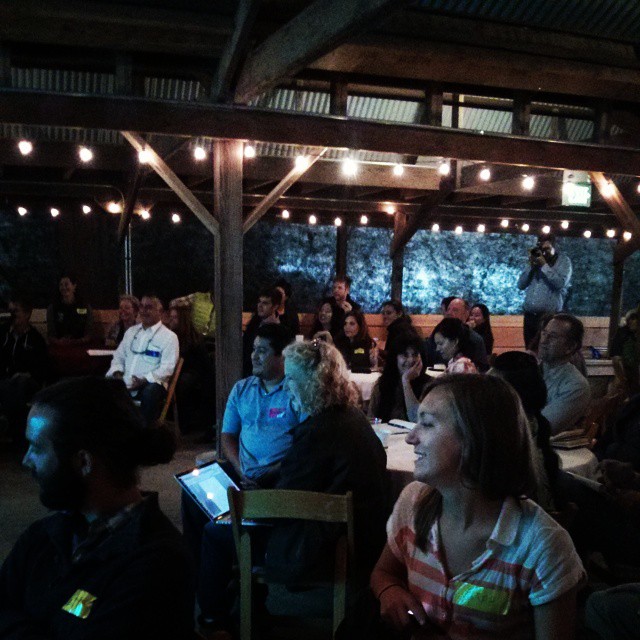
<point x="546" y="280"/>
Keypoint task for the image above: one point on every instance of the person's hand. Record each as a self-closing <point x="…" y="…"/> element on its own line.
<point x="138" y="383"/>
<point x="471" y="323"/>
<point x="413" y="372"/>
<point x="118" y="375"/>
<point x="400" y="608"/>
<point x="539" y="261"/>
<point x="617" y="475"/>
<point x="323" y="335"/>
<point x="346" y="306"/>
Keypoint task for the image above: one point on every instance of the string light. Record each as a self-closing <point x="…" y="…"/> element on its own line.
<point x="435" y="227"/>
<point x="398" y="169"/>
<point x="364" y="220"/>
<point x="144" y="214"/>
<point x="302" y="163"/>
<point x="249" y="151"/>
<point x="114" y="207"/>
<point x="54" y="212"/>
<point x="638" y="187"/>
<point x="528" y="183"/>
<point x="338" y="222"/>
<point x="25" y="147"/>
<point x="485" y="174"/>
<point x="564" y="224"/>
<point x="444" y="169"/>
<point x="285" y="214"/>
<point x="504" y="223"/>
<point x="199" y="153"/>
<point x="389" y="209"/>
<point x="525" y="227"/>
<point x="86" y="155"/>
<point x="86" y="209"/>
<point x="546" y="229"/>
<point x="481" y="228"/>
<point x="586" y="233"/>
<point x="458" y="230"/>
<point x="312" y="219"/>
<point x="175" y="218"/>
<point x="144" y="156"/>
<point x="611" y="233"/>
<point x="608" y="190"/>
<point x="349" y="167"/>
<point x="627" y="235"/>
<point x="22" y="211"/>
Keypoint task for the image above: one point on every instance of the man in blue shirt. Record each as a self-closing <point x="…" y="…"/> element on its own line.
<point x="546" y="281"/>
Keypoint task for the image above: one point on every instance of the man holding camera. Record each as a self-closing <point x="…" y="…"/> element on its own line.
<point x="546" y="281"/>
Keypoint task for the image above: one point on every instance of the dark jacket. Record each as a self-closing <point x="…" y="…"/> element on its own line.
<point x="140" y="576"/>
<point x="356" y="353"/>
<point x="26" y="353"/>
<point x="73" y="321"/>
<point x="334" y="451"/>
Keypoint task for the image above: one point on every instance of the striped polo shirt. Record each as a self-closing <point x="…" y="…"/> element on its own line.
<point x="529" y="561"/>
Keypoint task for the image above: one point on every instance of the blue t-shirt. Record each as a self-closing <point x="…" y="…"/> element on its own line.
<point x="262" y="420"/>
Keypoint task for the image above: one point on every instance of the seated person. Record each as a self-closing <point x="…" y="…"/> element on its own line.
<point x="521" y="371"/>
<point x="69" y="319"/>
<point x="396" y="322"/>
<point x="108" y="563"/>
<point x="146" y="359"/>
<point x="625" y="353"/>
<point x="355" y="345"/>
<point x="203" y="312"/>
<point x="256" y="433"/>
<point x="23" y="365"/>
<point x="342" y="301"/>
<point x="467" y="555"/>
<point x="403" y="372"/>
<point x="269" y="301"/>
<point x="326" y="324"/>
<point x="612" y="614"/>
<point x="480" y="321"/>
<point x="568" y="391"/>
<point x="453" y="344"/>
<point x="622" y="441"/>
<point x="195" y="391"/>
<point x="287" y="311"/>
<point x="128" y="309"/>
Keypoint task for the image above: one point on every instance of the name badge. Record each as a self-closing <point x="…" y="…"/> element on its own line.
<point x="275" y="412"/>
<point x="81" y="312"/>
<point x="152" y="354"/>
<point x="358" y="351"/>
<point x="485" y="599"/>
<point x="80" y="604"/>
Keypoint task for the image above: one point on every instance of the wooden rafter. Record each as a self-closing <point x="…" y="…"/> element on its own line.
<point x="220" y="121"/>
<point x="313" y="32"/>
<point x="281" y="188"/>
<point x="172" y="180"/>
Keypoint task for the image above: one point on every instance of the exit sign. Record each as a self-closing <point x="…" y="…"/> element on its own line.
<point x="576" y="189"/>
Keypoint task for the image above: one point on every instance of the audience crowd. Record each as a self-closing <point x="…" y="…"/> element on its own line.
<point x="490" y="540"/>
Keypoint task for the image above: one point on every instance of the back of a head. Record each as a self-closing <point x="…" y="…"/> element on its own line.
<point x="496" y="446"/>
<point x="278" y="335"/>
<point x="522" y="372"/>
<point x="285" y="285"/>
<point x="396" y="304"/>
<point x="97" y="415"/>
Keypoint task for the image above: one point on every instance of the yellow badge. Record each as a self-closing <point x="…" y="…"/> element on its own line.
<point x="358" y="351"/>
<point x="485" y="599"/>
<point x="79" y="604"/>
<point x="81" y="311"/>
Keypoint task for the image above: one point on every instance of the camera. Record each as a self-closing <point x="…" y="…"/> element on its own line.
<point x="536" y="251"/>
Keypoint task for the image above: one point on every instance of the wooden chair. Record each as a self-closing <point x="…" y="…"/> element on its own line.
<point x="270" y="504"/>
<point x="171" y="395"/>
<point x="600" y="411"/>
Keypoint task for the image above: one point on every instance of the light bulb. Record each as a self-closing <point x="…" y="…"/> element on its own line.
<point x="481" y="228"/>
<point x="86" y="209"/>
<point x="611" y="233"/>
<point x="435" y="227"/>
<point x="586" y="233"/>
<point x="54" y="212"/>
<point x="398" y="169"/>
<point x="627" y="235"/>
<point x="608" y="190"/>
<point x="175" y="218"/>
<point x="302" y="163"/>
<point x="525" y="227"/>
<point x="144" y="214"/>
<point x="249" y="151"/>
<point x="144" y="156"/>
<point x="444" y="169"/>
<point x="199" y="153"/>
<point x="546" y="229"/>
<point x="485" y="174"/>
<point x="25" y="147"/>
<point x="349" y="167"/>
<point x="528" y="183"/>
<point x="504" y="223"/>
<point x="458" y="230"/>
<point x="312" y="219"/>
<point x="564" y="224"/>
<point x="86" y="155"/>
<point x="22" y="211"/>
<point x="364" y="220"/>
<point x="114" y="207"/>
<point x="285" y="214"/>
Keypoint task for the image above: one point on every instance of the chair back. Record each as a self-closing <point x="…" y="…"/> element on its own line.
<point x="601" y="409"/>
<point x="171" y="391"/>
<point x="273" y="504"/>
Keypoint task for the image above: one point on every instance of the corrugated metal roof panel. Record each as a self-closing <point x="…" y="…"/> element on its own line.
<point x="59" y="80"/>
<point x="172" y="89"/>
<point x="612" y="19"/>
<point x="60" y="134"/>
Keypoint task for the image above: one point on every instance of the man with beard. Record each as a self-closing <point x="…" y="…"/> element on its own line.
<point x="107" y="563"/>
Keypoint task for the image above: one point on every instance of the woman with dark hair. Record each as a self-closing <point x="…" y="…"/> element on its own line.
<point x="356" y="345"/>
<point x="108" y="563"/>
<point x="287" y="311"/>
<point x="388" y="397"/>
<point x="194" y="389"/>
<point x="326" y="323"/>
<point x="480" y="322"/>
<point x="451" y="337"/>
<point x="466" y="554"/>
<point x="69" y="319"/>
<point x="522" y="372"/>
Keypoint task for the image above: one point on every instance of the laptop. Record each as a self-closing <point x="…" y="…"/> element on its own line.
<point x="208" y="485"/>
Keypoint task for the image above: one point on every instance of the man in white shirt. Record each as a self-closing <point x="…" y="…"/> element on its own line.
<point x="568" y="391"/>
<point x="146" y="359"/>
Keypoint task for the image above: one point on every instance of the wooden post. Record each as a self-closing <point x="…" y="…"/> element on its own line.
<point x="521" y="115"/>
<point x="341" y="250"/>
<point x="228" y="292"/>
<point x="397" y="269"/>
<point x="616" y="300"/>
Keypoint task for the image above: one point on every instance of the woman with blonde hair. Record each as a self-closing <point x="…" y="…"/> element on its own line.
<point x="467" y="554"/>
<point x="334" y="450"/>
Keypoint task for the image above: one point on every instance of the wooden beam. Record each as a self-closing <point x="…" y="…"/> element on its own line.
<point x="397" y="259"/>
<point x="282" y="187"/>
<point x="521" y="115"/>
<point x="313" y="32"/>
<point x="235" y="52"/>
<point x="228" y="290"/>
<point x="189" y="119"/>
<point x="172" y="180"/>
<point x="623" y="212"/>
<point x="338" y="96"/>
<point x="342" y="240"/>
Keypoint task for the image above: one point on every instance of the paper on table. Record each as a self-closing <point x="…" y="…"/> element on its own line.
<point x="403" y="424"/>
<point x="100" y="352"/>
